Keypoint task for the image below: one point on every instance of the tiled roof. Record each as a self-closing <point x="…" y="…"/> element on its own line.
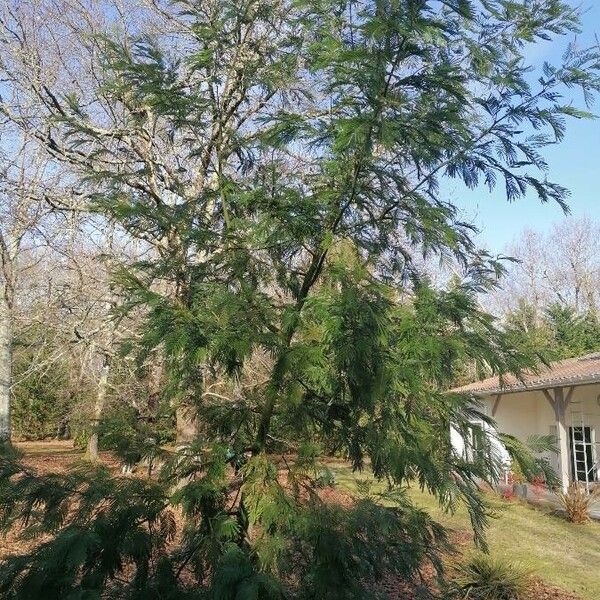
<point x="572" y="371"/>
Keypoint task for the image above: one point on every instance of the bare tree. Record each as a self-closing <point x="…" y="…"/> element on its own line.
<point x="24" y="175"/>
<point x="91" y="302"/>
<point x="561" y="266"/>
<point x="53" y="52"/>
<point x="50" y="65"/>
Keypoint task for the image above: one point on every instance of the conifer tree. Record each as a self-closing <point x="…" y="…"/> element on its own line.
<point x="284" y="162"/>
<point x="559" y="332"/>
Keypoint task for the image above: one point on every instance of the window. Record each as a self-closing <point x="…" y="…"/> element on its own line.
<point x="477" y="444"/>
<point x="583" y="460"/>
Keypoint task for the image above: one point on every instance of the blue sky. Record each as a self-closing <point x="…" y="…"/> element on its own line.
<point x="575" y="163"/>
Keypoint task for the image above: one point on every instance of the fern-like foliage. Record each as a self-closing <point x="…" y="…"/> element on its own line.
<point x="97" y="535"/>
<point x="281" y="164"/>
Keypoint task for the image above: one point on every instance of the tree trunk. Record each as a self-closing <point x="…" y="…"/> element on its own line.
<point x="188" y="420"/>
<point x="155" y="386"/>
<point x="186" y="426"/>
<point x="5" y="369"/>
<point x="92" y="447"/>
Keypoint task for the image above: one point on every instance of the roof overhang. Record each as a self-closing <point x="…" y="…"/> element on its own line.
<point x="532" y="387"/>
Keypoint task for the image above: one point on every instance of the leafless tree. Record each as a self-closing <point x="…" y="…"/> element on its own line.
<point x="561" y="266"/>
<point x="49" y="63"/>
<point x="23" y="177"/>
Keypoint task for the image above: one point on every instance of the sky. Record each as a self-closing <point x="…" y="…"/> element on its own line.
<point x="575" y="164"/>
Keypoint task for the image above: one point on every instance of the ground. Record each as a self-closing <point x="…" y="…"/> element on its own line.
<point x="557" y="552"/>
<point x="562" y="556"/>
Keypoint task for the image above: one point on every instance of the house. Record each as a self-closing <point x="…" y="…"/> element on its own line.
<point x="562" y="399"/>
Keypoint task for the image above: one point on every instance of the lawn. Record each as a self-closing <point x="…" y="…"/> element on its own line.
<point x="559" y="552"/>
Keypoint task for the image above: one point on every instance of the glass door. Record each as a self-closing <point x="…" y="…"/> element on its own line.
<point x="582" y="454"/>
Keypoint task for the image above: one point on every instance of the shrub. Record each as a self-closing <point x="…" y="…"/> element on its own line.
<point x="41" y="401"/>
<point x="516" y="475"/>
<point x="325" y="478"/>
<point x="485" y="578"/>
<point x="577" y="502"/>
<point x="538" y="485"/>
<point x="509" y="494"/>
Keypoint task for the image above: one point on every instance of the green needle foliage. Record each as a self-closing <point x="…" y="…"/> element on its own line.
<point x="282" y="163"/>
<point x="559" y="332"/>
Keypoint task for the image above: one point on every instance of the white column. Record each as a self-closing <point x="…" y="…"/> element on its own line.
<point x="559" y="404"/>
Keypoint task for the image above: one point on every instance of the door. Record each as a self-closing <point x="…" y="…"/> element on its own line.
<point x="582" y="453"/>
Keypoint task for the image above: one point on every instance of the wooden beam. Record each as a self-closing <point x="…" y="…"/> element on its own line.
<point x="559" y="403"/>
<point x="550" y="399"/>
<point x="569" y="396"/>
<point x="562" y="431"/>
<point x="496" y="403"/>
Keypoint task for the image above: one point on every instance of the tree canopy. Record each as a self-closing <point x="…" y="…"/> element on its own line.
<point x="559" y="332"/>
<point x="280" y="164"/>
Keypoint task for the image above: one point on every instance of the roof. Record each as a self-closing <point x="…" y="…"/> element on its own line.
<point x="572" y="371"/>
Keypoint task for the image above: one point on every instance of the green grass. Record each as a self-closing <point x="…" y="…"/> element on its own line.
<point x="50" y="449"/>
<point x="561" y="553"/>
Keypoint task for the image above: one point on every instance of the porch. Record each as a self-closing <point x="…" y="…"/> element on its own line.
<point x="561" y="400"/>
<point x="570" y="414"/>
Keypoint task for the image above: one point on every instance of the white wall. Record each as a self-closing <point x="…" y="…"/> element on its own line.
<point x="457" y="441"/>
<point x="524" y="414"/>
<point x="497" y="448"/>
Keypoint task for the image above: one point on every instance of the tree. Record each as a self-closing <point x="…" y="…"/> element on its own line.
<point x="63" y="330"/>
<point x="559" y="333"/>
<point x="89" y="298"/>
<point x="548" y="299"/>
<point x="23" y="174"/>
<point x="282" y="162"/>
<point x="89" y="307"/>
<point x="561" y="267"/>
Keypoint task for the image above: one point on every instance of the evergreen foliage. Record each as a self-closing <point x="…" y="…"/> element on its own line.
<point x="558" y="332"/>
<point x="41" y="403"/>
<point x="43" y="398"/>
<point x="283" y="161"/>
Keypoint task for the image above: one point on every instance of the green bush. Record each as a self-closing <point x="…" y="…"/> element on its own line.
<point x="325" y="478"/>
<point x="41" y="404"/>
<point x="483" y="577"/>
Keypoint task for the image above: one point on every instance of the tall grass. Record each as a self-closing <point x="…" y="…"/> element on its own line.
<point x="482" y="577"/>
<point x="577" y="502"/>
